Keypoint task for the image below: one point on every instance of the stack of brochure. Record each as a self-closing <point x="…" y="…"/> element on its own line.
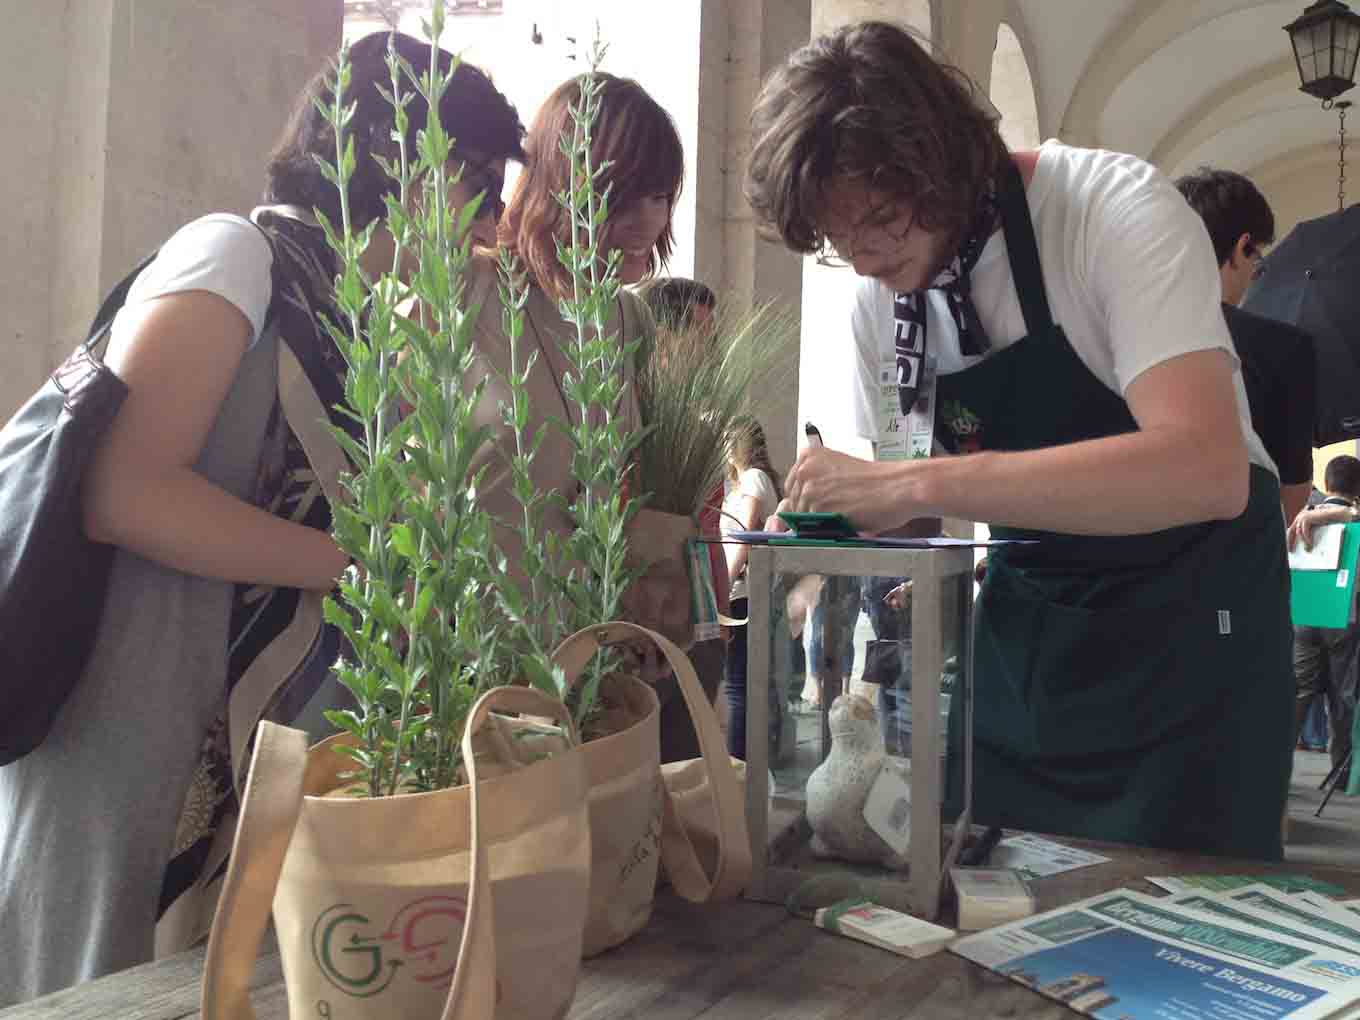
<point x="1247" y="952"/>
<point x="888" y="929"/>
<point x="990" y="896"/>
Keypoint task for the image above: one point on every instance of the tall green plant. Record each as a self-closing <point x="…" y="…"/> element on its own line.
<point x="582" y="579"/>
<point x="603" y="442"/>
<point x="533" y="596"/>
<point x="423" y="643"/>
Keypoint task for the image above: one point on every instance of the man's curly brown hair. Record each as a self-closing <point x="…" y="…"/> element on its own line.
<point x="868" y="102"/>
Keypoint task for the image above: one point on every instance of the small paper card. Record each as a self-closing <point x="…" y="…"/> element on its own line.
<point x="1325" y="553"/>
<point x="888" y="810"/>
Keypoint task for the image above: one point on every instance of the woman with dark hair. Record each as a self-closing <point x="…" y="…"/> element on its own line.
<point x="115" y="830"/>
<point x="1132" y="666"/>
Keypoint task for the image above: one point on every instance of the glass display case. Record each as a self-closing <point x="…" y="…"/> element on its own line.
<point x="855" y="658"/>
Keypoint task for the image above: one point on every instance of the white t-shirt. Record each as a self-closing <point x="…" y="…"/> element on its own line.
<point x="755" y="483"/>
<point x="1128" y="267"/>
<point x="220" y="253"/>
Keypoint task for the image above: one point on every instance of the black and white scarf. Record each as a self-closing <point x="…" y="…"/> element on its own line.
<point x="909" y="310"/>
<point x="303" y="299"/>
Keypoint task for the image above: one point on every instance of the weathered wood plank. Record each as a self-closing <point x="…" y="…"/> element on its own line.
<point x="164" y="990"/>
<point x="732" y="961"/>
<point x="947" y="987"/>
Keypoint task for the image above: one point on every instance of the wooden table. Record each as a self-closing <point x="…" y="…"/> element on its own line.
<point x="741" y="960"/>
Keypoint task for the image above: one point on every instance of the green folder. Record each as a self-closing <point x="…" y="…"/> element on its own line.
<point x="1323" y="598"/>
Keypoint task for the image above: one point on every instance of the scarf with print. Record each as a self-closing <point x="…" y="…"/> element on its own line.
<point x="909" y="309"/>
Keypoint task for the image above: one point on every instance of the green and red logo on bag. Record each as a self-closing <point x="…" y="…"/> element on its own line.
<point x="419" y="943"/>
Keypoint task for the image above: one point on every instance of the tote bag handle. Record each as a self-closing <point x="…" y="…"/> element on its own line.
<point x="687" y="874"/>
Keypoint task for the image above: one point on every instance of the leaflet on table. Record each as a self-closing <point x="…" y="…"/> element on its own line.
<point x="1036" y="857"/>
<point x="1325" y="922"/>
<point x="1224" y="883"/>
<point x="1126" y="955"/>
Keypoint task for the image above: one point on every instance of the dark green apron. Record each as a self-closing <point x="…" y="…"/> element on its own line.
<point x="1128" y="688"/>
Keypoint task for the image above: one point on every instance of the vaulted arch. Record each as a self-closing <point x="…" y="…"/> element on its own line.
<point x="1012" y="91"/>
<point x="1233" y="102"/>
<point x="1146" y="28"/>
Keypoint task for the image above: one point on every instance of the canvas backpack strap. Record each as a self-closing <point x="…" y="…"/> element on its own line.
<point x="689" y="877"/>
<point x="269" y="812"/>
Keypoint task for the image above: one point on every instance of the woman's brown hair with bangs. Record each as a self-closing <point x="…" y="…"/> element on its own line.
<point x="631" y="132"/>
<point x="868" y="102"/>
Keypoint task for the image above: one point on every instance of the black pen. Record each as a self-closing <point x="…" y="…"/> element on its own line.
<point x="810" y="430"/>
<point x="977" y="854"/>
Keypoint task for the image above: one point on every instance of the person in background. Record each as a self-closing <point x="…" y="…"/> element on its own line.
<point x="218" y="522"/>
<point x="1277" y="358"/>
<point x="680" y="305"/>
<point x="1131" y="666"/>
<point x="1325" y="658"/>
<point x="752" y="494"/>
<point x="842" y="596"/>
<point x="684" y="309"/>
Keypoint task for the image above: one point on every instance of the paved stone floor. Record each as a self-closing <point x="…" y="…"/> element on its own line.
<point x="1333" y="839"/>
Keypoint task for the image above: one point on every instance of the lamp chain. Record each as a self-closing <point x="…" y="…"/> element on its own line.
<point x="1341" y="158"/>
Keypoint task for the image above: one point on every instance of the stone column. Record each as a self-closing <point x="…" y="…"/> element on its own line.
<point x="134" y="116"/>
<point x="965" y="33"/>
<point x="741" y="43"/>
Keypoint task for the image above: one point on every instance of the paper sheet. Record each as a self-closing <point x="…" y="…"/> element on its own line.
<point x="1325" y="553"/>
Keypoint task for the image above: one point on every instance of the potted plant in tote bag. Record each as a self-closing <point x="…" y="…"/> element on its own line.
<point x="693" y="386"/>
<point x="392" y="873"/>
<point x="577" y="584"/>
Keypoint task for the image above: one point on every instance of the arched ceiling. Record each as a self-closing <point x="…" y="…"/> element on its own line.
<point x="1181" y="82"/>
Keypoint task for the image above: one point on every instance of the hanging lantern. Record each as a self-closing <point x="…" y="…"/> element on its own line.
<point x="1326" y="41"/>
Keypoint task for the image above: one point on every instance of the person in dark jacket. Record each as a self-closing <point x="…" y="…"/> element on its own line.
<point x="1277" y="358"/>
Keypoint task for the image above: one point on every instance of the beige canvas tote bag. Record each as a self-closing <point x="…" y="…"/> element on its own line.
<point x="634" y="826"/>
<point x="465" y="903"/>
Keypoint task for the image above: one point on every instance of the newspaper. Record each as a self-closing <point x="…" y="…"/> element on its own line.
<point x="1126" y="955"/>
<point x="1333" y="925"/>
<point x="1280" y="923"/>
<point x="1036" y="857"/>
<point x="1224" y="883"/>
<point x="1349" y="908"/>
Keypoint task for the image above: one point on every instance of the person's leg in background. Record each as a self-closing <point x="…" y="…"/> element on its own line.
<point x="736" y="685"/>
<point x="1342" y="648"/>
<point x="679" y="742"/>
<point x="846" y="592"/>
<point x="1310" y="673"/>
<point x="888" y="661"/>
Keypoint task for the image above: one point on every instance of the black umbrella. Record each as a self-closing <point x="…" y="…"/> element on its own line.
<point x="1312" y="279"/>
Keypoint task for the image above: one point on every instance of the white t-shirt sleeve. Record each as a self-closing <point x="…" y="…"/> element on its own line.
<point x="756" y="483"/>
<point x="1150" y="265"/>
<point x="223" y="254"/>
